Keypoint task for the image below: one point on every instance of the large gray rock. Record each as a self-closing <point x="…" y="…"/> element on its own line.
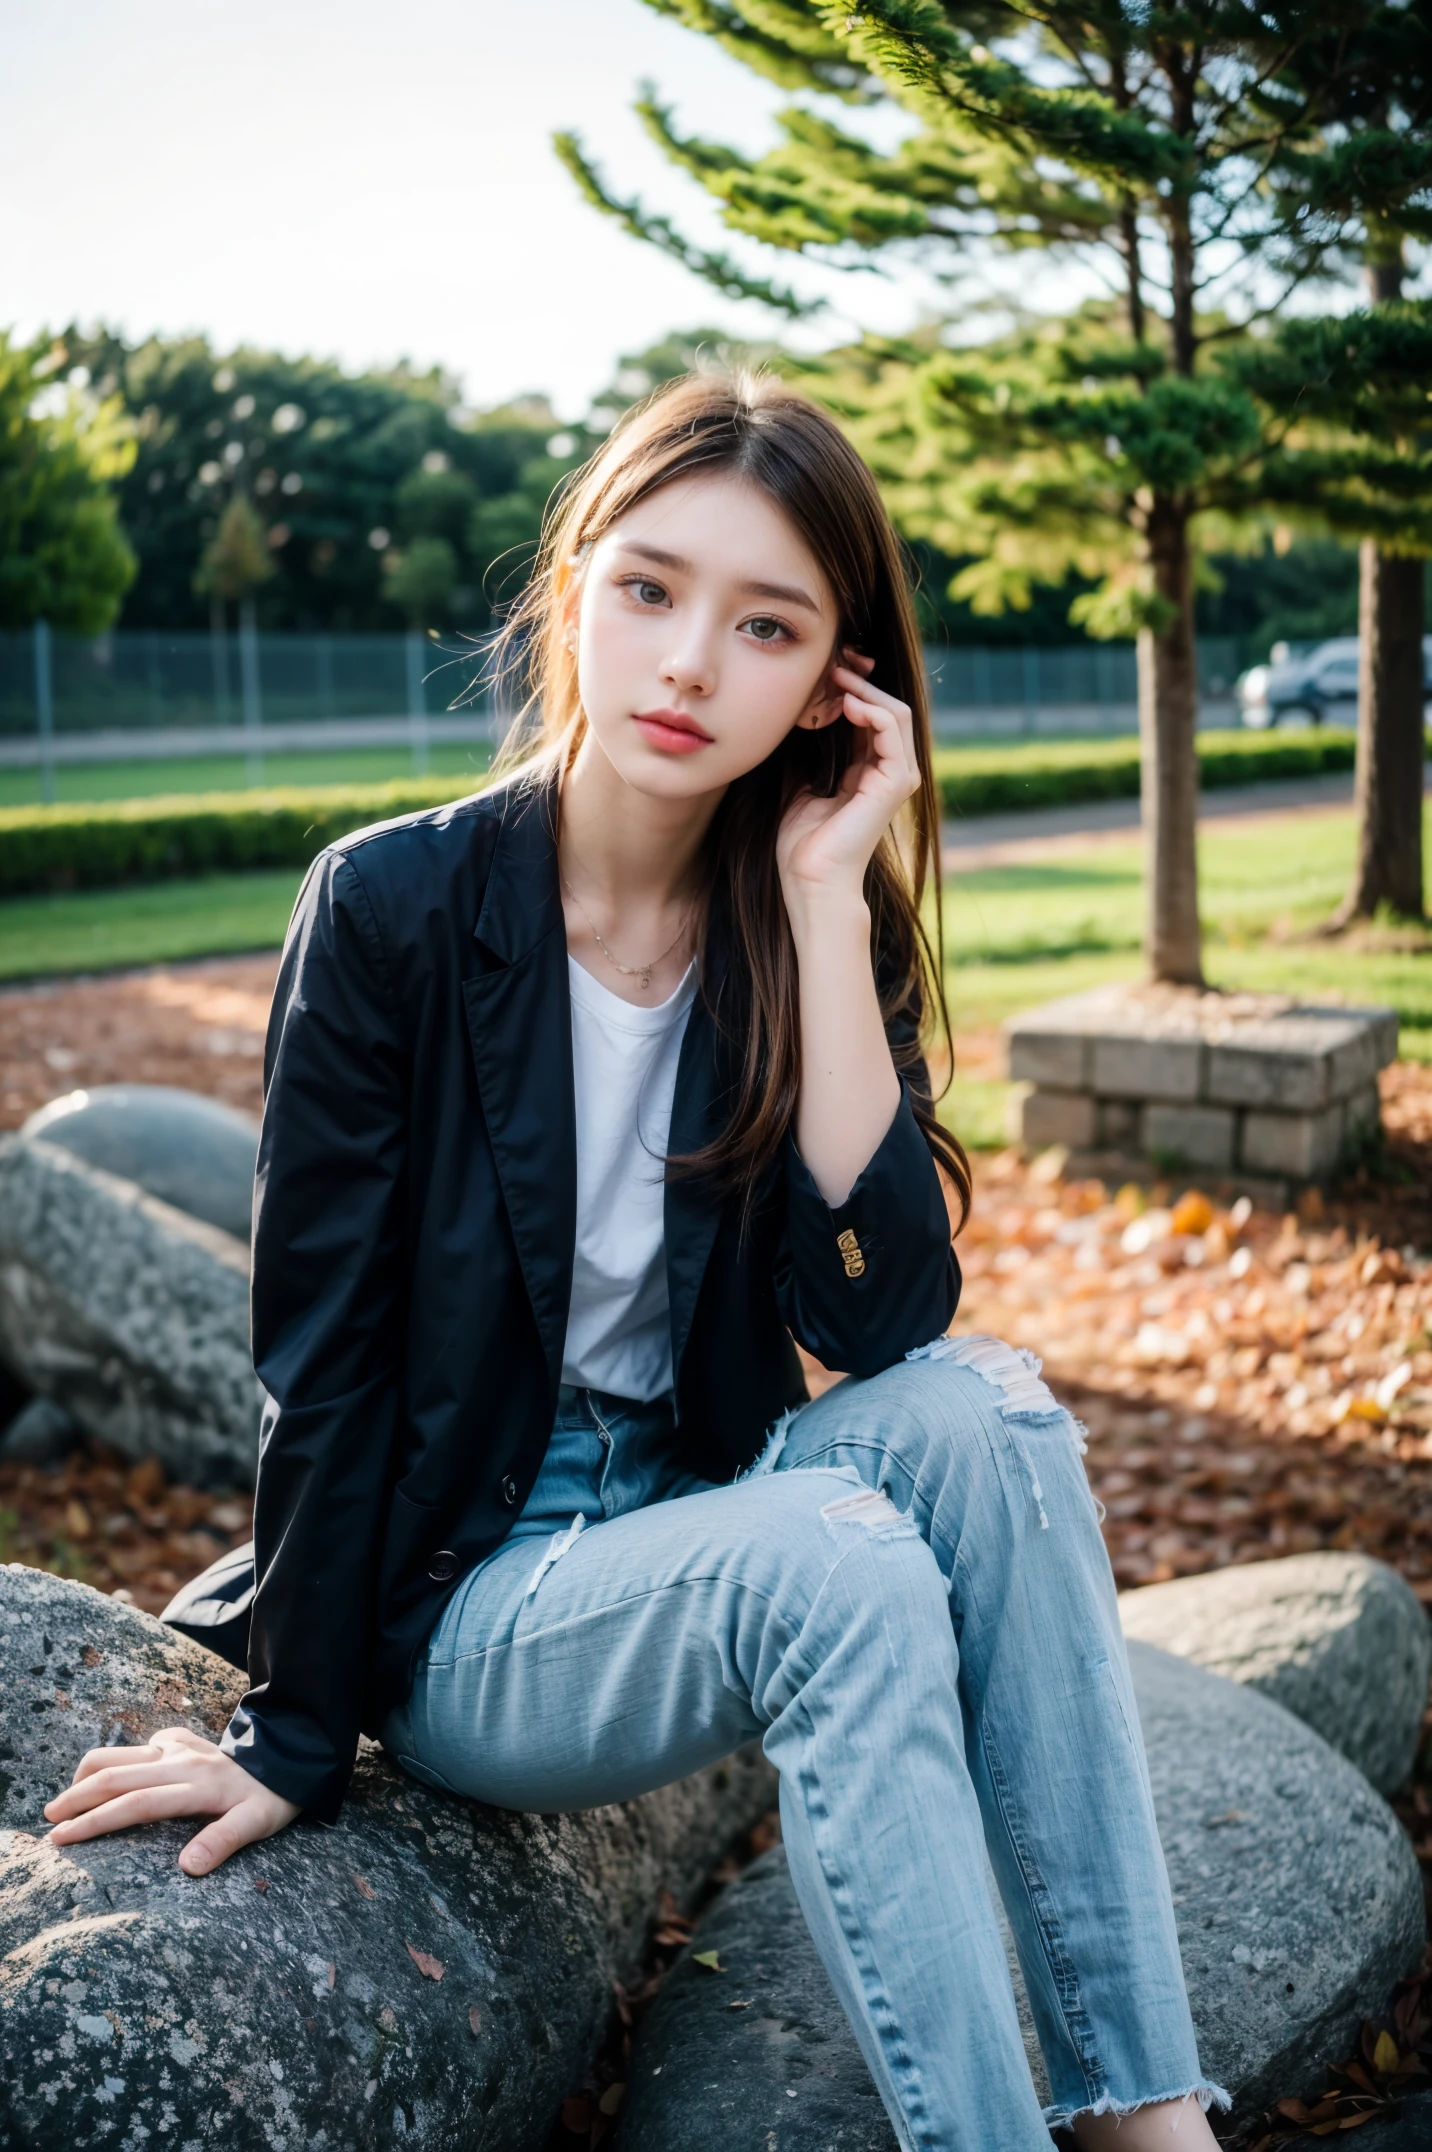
<point x="427" y="1973"/>
<point x="1299" y="1906"/>
<point x="189" y="1150"/>
<point x="130" y="1314"/>
<point x="1340" y="1640"/>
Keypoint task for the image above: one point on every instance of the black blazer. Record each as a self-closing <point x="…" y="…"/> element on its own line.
<point x="415" y="1215"/>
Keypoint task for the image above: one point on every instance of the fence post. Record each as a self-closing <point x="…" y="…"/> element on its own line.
<point x="45" y="711"/>
<point x="417" y="705"/>
<point x="252" y="693"/>
<point x="1031" y="687"/>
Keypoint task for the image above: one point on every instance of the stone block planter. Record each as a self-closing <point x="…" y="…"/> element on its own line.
<point x="1255" y="1087"/>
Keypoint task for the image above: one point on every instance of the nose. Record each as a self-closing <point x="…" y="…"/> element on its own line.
<point x="689" y="666"/>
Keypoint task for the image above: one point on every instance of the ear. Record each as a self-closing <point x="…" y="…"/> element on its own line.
<point x="827" y="701"/>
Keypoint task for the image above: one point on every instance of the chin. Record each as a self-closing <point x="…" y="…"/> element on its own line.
<point x="678" y="777"/>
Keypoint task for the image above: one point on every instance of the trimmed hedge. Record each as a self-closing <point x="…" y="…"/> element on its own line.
<point x="141" y="840"/>
<point x="1049" y="773"/>
<point x="146" y="840"/>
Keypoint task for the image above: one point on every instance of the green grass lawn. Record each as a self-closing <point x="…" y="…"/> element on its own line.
<point x="145" y="923"/>
<point x="230" y="773"/>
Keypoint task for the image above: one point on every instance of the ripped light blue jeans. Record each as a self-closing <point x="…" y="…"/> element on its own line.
<point x="909" y="1602"/>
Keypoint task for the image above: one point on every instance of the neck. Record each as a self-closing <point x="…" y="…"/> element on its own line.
<point x="623" y="846"/>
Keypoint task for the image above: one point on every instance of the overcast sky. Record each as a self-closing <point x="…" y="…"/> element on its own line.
<point x="364" y="180"/>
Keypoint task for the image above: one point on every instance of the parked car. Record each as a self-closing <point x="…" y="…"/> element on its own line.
<point x="1318" y="687"/>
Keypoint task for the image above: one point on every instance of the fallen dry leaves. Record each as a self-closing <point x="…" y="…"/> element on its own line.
<point x="1252" y="1385"/>
<point x="200" y="1026"/>
<point x="119" y="1526"/>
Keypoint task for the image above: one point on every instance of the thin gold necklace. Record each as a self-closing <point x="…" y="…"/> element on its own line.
<point x="641" y="972"/>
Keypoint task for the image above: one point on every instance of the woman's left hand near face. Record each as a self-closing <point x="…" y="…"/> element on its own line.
<point x="177" y="1773"/>
<point x="827" y="843"/>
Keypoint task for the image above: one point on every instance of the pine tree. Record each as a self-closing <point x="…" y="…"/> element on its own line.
<point x="1376" y="84"/>
<point x="1351" y="395"/>
<point x="1180" y="150"/>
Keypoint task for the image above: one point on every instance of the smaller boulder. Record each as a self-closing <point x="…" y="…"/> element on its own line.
<point x="42" y="1434"/>
<point x="1340" y="1640"/>
<point x="188" y="1150"/>
<point x="129" y="1314"/>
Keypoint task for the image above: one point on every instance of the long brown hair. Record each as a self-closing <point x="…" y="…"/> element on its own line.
<point x="755" y="427"/>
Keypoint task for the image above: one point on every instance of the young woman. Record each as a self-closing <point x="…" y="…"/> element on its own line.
<point x="584" y="1097"/>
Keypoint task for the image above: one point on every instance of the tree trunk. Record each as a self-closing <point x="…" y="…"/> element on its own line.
<point x="1390" y="738"/>
<point x="1390" y="722"/>
<point x="1168" y="705"/>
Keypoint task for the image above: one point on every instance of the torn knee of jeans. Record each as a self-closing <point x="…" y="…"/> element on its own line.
<point x="1010" y="1371"/>
<point x="557" y="1546"/>
<point x="1025" y="1399"/>
<point x="1013" y="1373"/>
<point x="870" y="1507"/>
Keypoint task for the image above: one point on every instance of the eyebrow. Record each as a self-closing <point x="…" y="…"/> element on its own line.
<point x="789" y="593"/>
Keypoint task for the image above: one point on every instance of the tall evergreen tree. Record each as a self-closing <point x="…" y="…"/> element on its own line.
<point x="1376" y="80"/>
<point x="1356" y="459"/>
<point x="1154" y="142"/>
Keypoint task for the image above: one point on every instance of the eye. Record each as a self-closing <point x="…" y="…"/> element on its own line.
<point x="763" y="629"/>
<point x="644" y="590"/>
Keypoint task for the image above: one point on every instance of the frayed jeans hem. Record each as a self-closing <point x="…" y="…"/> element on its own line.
<point x="1205" y="2092"/>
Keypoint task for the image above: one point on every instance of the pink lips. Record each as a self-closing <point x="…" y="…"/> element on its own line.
<point x="672" y="731"/>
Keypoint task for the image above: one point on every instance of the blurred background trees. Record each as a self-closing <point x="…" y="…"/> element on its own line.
<point x="339" y="469"/>
<point x="63" y="554"/>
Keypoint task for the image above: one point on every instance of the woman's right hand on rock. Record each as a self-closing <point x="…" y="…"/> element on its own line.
<point x="177" y="1773"/>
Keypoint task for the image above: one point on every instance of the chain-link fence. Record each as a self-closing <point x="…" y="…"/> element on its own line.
<point x="148" y="680"/>
<point x="143" y="692"/>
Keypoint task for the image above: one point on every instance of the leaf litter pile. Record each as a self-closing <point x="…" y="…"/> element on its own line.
<point x="1252" y="1384"/>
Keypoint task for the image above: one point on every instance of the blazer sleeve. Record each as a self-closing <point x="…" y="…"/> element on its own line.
<point x="327" y="1304"/>
<point x="861" y="1285"/>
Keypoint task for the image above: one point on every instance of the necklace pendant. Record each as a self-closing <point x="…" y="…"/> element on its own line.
<point x="645" y="976"/>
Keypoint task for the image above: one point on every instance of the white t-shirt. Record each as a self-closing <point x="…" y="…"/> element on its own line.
<point x="624" y="1073"/>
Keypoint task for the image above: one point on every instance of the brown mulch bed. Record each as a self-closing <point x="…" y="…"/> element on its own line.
<point x="200" y="1026"/>
<point x="1252" y="1385"/>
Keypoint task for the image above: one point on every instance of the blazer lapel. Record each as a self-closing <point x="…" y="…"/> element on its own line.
<point x="691" y="1208"/>
<point x="519" y="1017"/>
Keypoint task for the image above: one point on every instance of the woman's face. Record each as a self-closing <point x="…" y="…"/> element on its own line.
<point x="706" y="631"/>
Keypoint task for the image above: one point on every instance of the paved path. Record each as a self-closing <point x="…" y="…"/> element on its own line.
<point x="1001" y="840"/>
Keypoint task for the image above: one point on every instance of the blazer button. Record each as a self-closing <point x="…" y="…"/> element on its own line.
<point x="443" y="1566"/>
<point x="509" y="1492"/>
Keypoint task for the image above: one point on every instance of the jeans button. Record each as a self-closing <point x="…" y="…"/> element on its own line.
<point x="443" y="1566"/>
<point x="509" y="1492"/>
